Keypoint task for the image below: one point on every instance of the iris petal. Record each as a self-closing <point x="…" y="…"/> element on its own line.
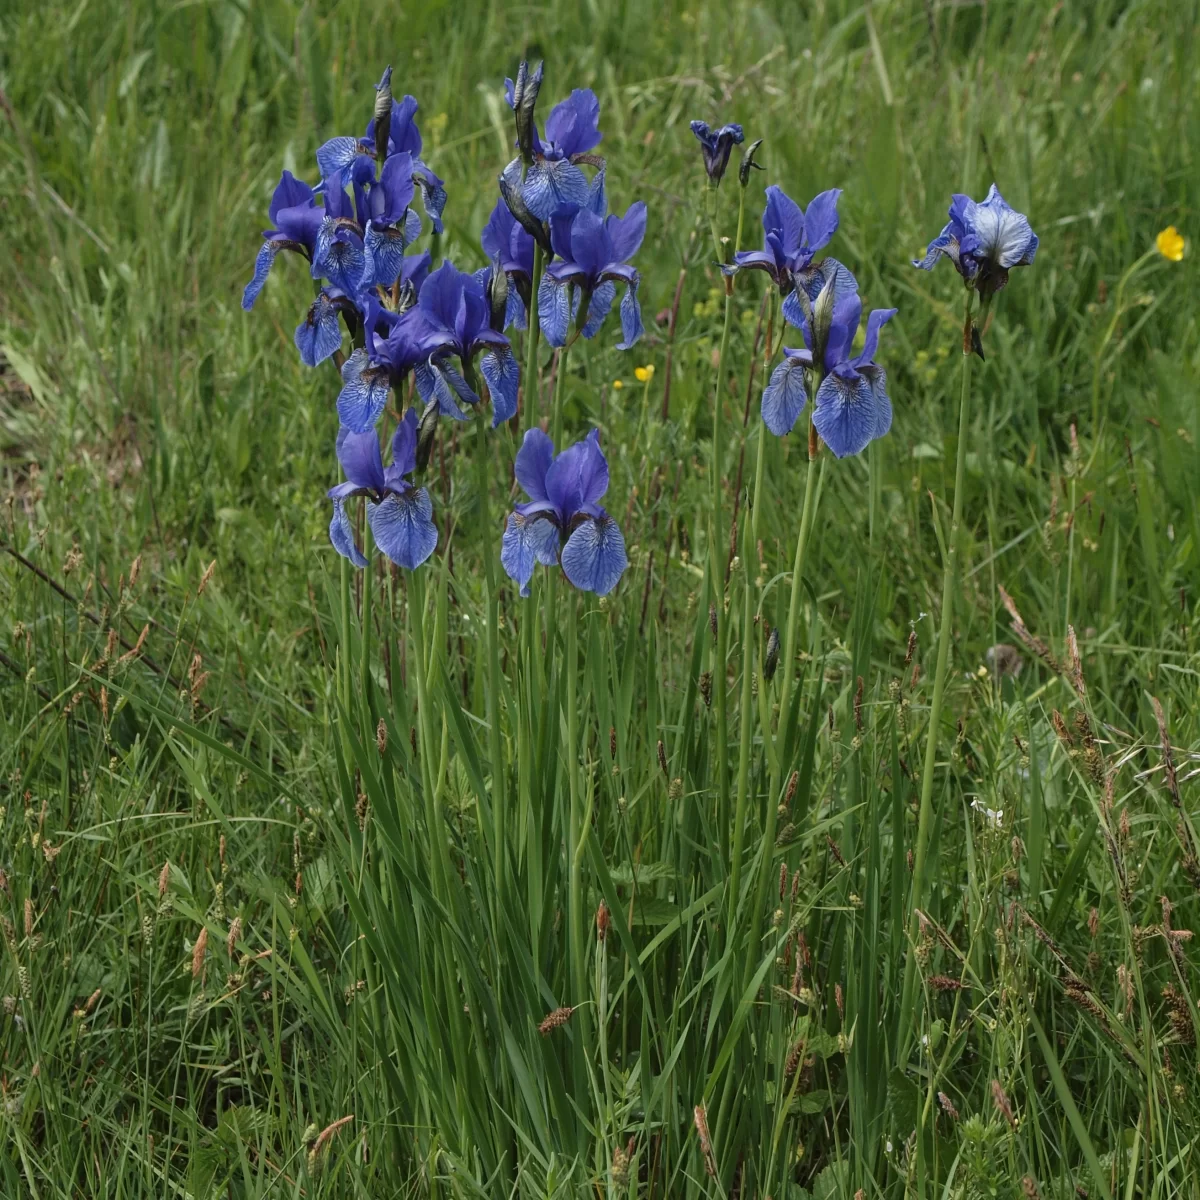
<point x="594" y="557"/>
<point x="318" y="335"/>
<point x="554" y="310"/>
<point x="341" y="535"/>
<point x="631" y="317"/>
<point x="403" y="527"/>
<point x="553" y="184"/>
<point x="364" y="393"/>
<point x="526" y="542"/>
<point x="784" y="398"/>
<point x="262" y="268"/>
<point x="846" y="415"/>
<point x="499" y="368"/>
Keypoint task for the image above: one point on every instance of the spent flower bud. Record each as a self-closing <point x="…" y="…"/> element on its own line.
<point x="523" y="98"/>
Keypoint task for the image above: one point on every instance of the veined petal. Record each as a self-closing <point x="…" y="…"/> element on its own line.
<point x="433" y="193"/>
<point x="526" y="542"/>
<point x="821" y="219"/>
<point x="403" y="527"/>
<point x="360" y="460"/>
<point x="318" y="336"/>
<point x="499" y="368"/>
<point x="554" y="310"/>
<point x="386" y="247"/>
<point x="794" y="314"/>
<point x="627" y="232"/>
<point x="846" y="415"/>
<point x="875" y="322"/>
<point x="945" y="243"/>
<point x="784" y="397"/>
<point x="335" y="156"/>
<point x="445" y="384"/>
<point x="814" y="279"/>
<point x="631" y="317"/>
<point x="341" y="535"/>
<point x="1004" y="236"/>
<point x="262" y="268"/>
<point x="551" y="184"/>
<point x="602" y="302"/>
<point x="594" y="557"/>
<point x="876" y="376"/>
<point x="364" y="393"/>
<point x="597" y="201"/>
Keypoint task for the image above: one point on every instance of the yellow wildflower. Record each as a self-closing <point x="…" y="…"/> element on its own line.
<point x="644" y="374"/>
<point x="1170" y="244"/>
<point x="617" y="385"/>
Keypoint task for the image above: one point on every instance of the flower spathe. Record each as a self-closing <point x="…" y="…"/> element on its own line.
<point x="983" y="240"/>
<point x="593" y="257"/>
<point x="792" y="237"/>
<point x="564" y="493"/>
<point x="716" y="145"/>
<point x="400" y="515"/>
<point x="852" y="405"/>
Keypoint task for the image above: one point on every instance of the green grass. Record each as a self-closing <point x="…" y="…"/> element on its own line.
<point x="397" y="952"/>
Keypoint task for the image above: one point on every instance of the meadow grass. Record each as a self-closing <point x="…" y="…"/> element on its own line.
<point x="385" y="854"/>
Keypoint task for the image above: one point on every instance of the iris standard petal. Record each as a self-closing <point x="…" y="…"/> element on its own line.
<point x="403" y="527"/>
<point x="594" y="557"/>
<point x="784" y="397"/>
<point x="875" y="322"/>
<point x="526" y="542"/>
<point x="433" y="193"/>
<point x="404" y="443"/>
<point x="290" y="192"/>
<point x="341" y="535"/>
<point x="574" y="123"/>
<point x="318" y="336"/>
<point x="552" y="184"/>
<point x="364" y="392"/>
<point x="846" y="414"/>
<point x="499" y="368"/>
<point x="783" y="215"/>
<point x="359" y="457"/>
<point x="262" y="268"/>
<point x="533" y="462"/>
<point x="821" y="219"/>
<point x="627" y="232"/>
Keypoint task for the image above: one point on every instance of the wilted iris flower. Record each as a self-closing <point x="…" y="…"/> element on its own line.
<point x="296" y="219"/>
<point x="791" y="239"/>
<point x="594" y="253"/>
<point x="716" y="145"/>
<point x="400" y="515"/>
<point x="852" y="405"/>
<point x="553" y="179"/>
<point x="984" y="242"/>
<point x="452" y="320"/>
<point x="563" y="492"/>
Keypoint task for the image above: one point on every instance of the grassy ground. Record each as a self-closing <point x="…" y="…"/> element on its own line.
<point x="352" y="930"/>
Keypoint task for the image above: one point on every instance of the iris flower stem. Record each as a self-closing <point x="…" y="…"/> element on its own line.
<point x="426" y="734"/>
<point x="788" y="665"/>
<point x="575" y="827"/>
<point x="717" y="568"/>
<point x="495" y="743"/>
<point x="746" y="724"/>
<point x="949" y="579"/>
<point x="533" y="331"/>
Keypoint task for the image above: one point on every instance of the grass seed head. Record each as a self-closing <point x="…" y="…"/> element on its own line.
<point x="552" y="1020"/>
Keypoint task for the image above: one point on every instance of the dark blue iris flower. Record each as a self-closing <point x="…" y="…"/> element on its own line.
<point x="791" y="239"/>
<point x="350" y="160"/>
<point x="452" y="320"/>
<point x="296" y="219"/>
<point x="852" y="405"/>
<point x="593" y="257"/>
<point x="716" y="145"/>
<point x="984" y="241"/>
<point x="508" y="244"/>
<point x="400" y="515"/>
<point x="564" y="494"/>
<point x="554" y="180"/>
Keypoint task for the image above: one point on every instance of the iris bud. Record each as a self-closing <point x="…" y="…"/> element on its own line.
<point x="525" y="94"/>
<point x="383" y="114"/>
<point x="497" y="294"/>
<point x="538" y="230"/>
<point x="748" y="162"/>
<point x="822" y="318"/>
<point x="426" y="428"/>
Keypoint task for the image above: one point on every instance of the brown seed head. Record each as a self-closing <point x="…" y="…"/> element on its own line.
<point x="947" y="1106"/>
<point x="1002" y="1103"/>
<point x="706" y="1149"/>
<point x="381" y="736"/>
<point x="235" y="934"/>
<point x="603" y="919"/>
<point x="206" y="577"/>
<point x="198" y="952"/>
<point x="552" y="1020"/>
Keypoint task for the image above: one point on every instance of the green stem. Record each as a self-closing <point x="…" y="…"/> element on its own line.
<point x="746" y="722"/>
<point x="576" y="831"/>
<point x="717" y="569"/>
<point x="532" y="333"/>
<point x="425" y="733"/>
<point x="949" y="579"/>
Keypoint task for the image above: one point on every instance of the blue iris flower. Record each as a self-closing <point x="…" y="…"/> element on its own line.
<point x="389" y="352"/>
<point x="791" y="239"/>
<point x="716" y="145"/>
<point x="984" y="241"/>
<point x="563" y="492"/>
<point x="852" y="405"/>
<point x="400" y="515"/>
<point x="296" y="219"/>
<point x="554" y="180"/>
<point x="593" y="253"/>
<point x="507" y="243"/>
<point x="452" y="321"/>
<point x="319" y="335"/>
<point x="350" y="160"/>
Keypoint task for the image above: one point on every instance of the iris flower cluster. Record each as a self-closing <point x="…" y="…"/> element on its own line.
<point x="547" y="201"/>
